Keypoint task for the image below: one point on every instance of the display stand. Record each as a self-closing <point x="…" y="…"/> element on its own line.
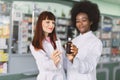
<point x="116" y="72"/>
<point x="103" y="70"/>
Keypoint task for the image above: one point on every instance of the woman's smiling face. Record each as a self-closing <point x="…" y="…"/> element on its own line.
<point x="48" y="26"/>
<point x="83" y="23"/>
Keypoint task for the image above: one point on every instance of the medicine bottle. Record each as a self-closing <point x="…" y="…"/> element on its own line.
<point x="68" y="46"/>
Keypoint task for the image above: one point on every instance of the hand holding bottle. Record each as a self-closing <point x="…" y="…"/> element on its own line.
<point x="74" y="50"/>
<point x="71" y="48"/>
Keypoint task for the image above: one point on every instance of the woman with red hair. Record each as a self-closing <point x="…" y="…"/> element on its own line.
<point x="49" y="58"/>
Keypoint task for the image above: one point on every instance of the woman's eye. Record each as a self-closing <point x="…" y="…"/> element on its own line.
<point x="53" y="22"/>
<point x="84" y="20"/>
<point x="47" y="22"/>
<point x="77" y="21"/>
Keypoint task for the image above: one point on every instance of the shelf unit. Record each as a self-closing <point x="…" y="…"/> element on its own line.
<point x="4" y="35"/>
<point x="22" y="30"/>
<point x="20" y="60"/>
<point x="62" y="25"/>
<point x="110" y="34"/>
<point x="116" y="36"/>
<point x="106" y="31"/>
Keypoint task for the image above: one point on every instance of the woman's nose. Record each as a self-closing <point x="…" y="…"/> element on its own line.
<point x="80" y="23"/>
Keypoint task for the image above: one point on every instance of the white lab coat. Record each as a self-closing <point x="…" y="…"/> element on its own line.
<point x="46" y="66"/>
<point x="85" y="62"/>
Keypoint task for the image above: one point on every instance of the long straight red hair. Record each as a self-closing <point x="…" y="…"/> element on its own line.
<point x="39" y="35"/>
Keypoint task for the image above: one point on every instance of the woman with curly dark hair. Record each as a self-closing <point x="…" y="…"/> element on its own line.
<point x="86" y="48"/>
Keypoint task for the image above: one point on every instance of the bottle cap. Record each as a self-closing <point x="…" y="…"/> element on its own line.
<point x="69" y="39"/>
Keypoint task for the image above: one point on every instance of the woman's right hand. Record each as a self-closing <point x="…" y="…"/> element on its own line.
<point x="74" y="51"/>
<point x="55" y="56"/>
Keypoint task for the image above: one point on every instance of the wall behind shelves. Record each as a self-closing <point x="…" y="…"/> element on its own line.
<point x="108" y="8"/>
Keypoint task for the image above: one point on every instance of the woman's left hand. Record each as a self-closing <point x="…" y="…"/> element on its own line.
<point x="74" y="49"/>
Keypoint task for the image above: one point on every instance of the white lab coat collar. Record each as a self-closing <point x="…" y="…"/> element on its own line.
<point x="86" y="34"/>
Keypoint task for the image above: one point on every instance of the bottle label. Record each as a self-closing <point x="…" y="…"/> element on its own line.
<point x="68" y="50"/>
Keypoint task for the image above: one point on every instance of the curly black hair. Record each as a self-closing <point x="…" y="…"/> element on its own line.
<point x="91" y="9"/>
